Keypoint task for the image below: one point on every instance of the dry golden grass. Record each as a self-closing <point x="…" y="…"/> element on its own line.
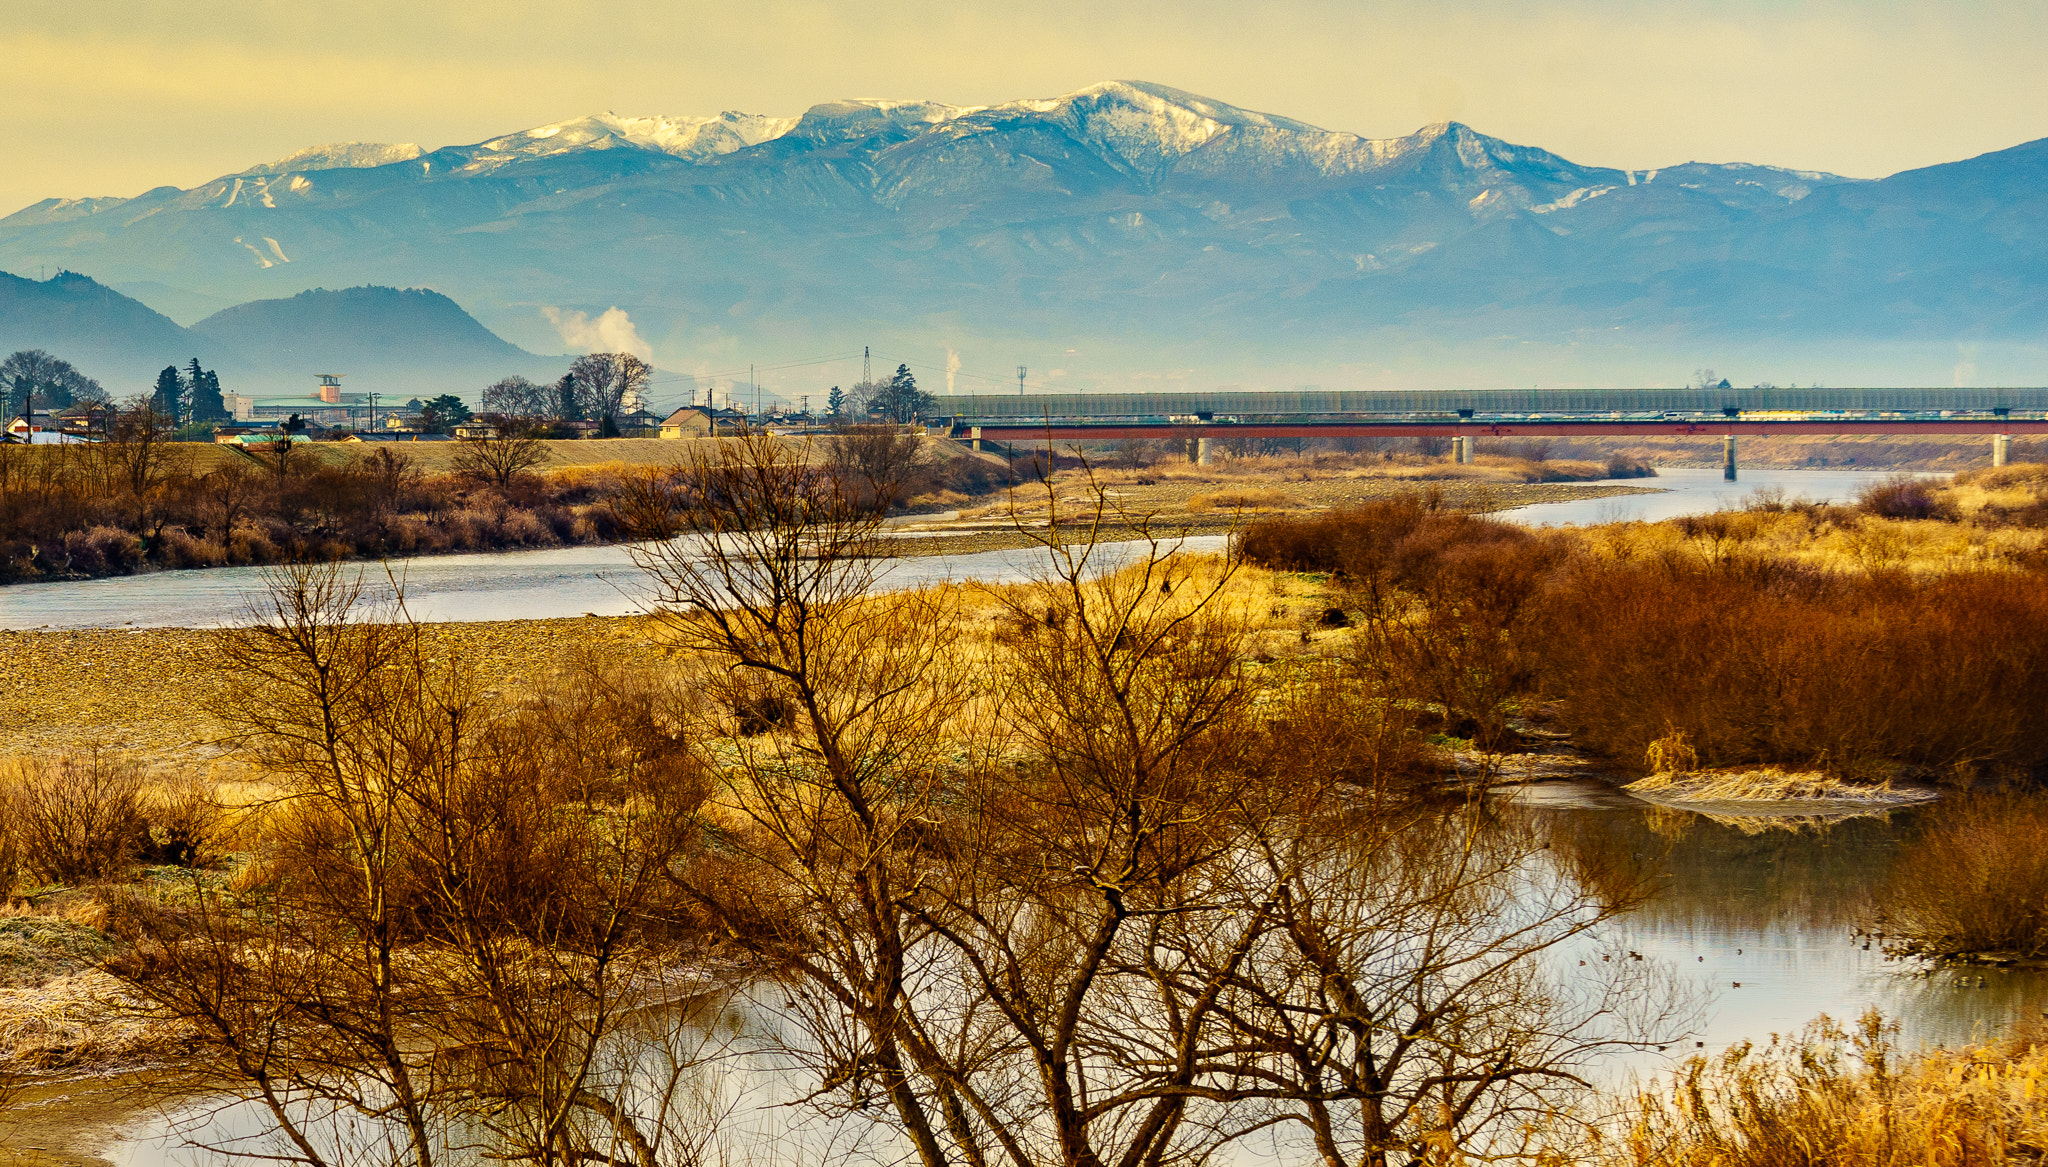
<point x="1243" y="498"/>
<point x="1767" y="784"/>
<point x="1843" y="1100"/>
<point x="82" y="1019"/>
<point x="1835" y="539"/>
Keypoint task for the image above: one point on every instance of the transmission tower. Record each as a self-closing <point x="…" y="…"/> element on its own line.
<point x="1020" y="380"/>
<point x="865" y="377"/>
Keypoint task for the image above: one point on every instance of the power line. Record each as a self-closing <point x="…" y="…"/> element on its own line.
<point x="680" y="377"/>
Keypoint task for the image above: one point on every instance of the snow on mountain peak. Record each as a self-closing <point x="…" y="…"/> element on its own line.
<point x="690" y="138"/>
<point x="340" y="156"/>
<point x="864" y="116"/>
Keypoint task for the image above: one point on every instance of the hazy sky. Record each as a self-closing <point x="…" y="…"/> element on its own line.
<point x="111" y="97"/>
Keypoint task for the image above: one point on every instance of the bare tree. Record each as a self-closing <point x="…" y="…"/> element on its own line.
<point x="607" y="383"/>
<point x="48" y="381"/>
<point x="500" y="457"/>
<point x="1071" y="1038"/>
<point x="225" y="494"/>
<point x="875" y="464"/>
<point x="445" y="947"/>
<point x="832" y="701"/>
<point x="518" y="397"/>
<point x="146" y="460"/>
<point x="1156" y="926"/>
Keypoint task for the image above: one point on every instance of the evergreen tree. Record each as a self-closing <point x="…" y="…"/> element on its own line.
<point x="195" y="383"/>
<point x="209" y="403"/>
<point x="566" y="388"/>
<point x="443" y="413"/>
<point x="835" y="401"/>
<point x="169" y="387"/>
<point x="901" y="401"/>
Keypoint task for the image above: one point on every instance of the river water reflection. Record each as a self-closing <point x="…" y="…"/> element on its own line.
<point x="1769" y="905"/>
<point x="1761" y="912"/>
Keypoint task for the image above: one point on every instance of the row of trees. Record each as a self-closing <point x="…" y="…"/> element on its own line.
<point x="33" y="379"/>
<point x="598" y="387"/>
<point x="897" y="400"/>
<point x="189" y="397"/>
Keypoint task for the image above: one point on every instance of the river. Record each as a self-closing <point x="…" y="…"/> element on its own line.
<point x="575" y="581"/>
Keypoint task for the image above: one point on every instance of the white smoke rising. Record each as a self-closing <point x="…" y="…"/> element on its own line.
<point x="952" y="367"/>
<point x="611" y="332"/>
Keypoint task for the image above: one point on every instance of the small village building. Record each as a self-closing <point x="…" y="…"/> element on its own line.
<point x="639" y="424"/>
<point x="688" y="422"/>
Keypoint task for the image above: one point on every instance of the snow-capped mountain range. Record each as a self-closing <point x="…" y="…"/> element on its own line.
<point x="1128" y="228"/>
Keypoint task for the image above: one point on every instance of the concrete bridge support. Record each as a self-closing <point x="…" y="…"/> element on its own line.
<point x="1204" y="456"/>
<point x="1728" y="458"/>
<point x="2001" y="449"/>
<point x="974" y="438"/>
<point x="1461" y="448"/>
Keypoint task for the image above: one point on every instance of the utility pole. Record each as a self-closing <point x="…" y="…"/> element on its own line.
<point x="1020" y="380"/>
<point x="373" y="413"/>
<point x="757" y="388"/>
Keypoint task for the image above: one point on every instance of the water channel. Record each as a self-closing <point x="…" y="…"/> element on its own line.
<point x="1756" y="915"/>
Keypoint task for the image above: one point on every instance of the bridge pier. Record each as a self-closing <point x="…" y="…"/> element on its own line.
<point x="974" y="438"/>
<point x="1464" y="447"/>
<point x="1728" y="458"/>
<point x="2001" y="449"/>
<point x="1204" y="456"/>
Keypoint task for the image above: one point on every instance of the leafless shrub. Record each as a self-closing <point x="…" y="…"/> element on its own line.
<point x="186" y="821"/>
<point x="457" y="925"/>
<point x="77" y="819"/>
<point x="1902" y="496"/>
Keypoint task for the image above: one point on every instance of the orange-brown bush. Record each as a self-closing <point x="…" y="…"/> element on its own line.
<point x="1445" y="599"/>
<point x="1399" y="540"/>
<point x="1752" y="659"/>
<point x="1902" y="496"/>
<point x="1758" y="663"/>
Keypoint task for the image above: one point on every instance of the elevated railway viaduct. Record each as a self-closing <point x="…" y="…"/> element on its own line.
<point x="1465" y="414"/>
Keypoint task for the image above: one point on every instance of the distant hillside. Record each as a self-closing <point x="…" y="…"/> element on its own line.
<point x="386" y="339"/>
<point x="111" y="337"/>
